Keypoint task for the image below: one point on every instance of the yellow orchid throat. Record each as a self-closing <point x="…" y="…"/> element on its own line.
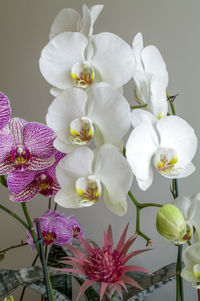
<point x="88" y="190"/>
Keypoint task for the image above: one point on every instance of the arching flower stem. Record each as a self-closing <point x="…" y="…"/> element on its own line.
<point x="138" y="107"/>
<point x="15" y="216"/>
<point x="139" y="207"/>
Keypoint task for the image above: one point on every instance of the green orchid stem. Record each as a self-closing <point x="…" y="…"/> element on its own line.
<point x="179" y="280"/>
<point x="30" y="228"/>
<point x="11" y="213"/>
<point x="3" y="181"/>
<point x="138" y="107"/>
<point x="139" y="207"/>
<point x="172" y="107"/>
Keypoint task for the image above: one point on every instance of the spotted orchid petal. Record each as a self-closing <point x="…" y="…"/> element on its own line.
<point x="6" y="166"/>
<point x="38" y="163"/>
<point x="5" y="110"/>
<point x="18" y="180"/>
<point x="25" y="195"/>
<point x="17" y="127"/>
<point x="38" y="138"/>
<point x="6" y="143"/>
<point x="108" y="162"/>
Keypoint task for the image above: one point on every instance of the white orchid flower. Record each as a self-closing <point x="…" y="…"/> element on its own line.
<point x="191" y="259"/>
<point x="69" y="19"/>
<point x="190" y="208"/>
<point x="72" y="60"/>
<point x="170" y="143"/>
<point x="84" y="178"/>
<point x="77" y="116"/>
<point x="150" y="77"/>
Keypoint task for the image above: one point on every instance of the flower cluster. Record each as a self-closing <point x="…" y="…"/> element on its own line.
<point x="57" y="229"/>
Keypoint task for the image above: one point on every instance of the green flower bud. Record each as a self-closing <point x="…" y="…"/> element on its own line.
<point x="170" y="224"/>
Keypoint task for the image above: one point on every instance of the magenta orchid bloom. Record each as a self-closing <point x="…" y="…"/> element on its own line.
<point x="5" y="111"/>
<point x="56" y="229"/>
<point x="24" y="185"/>
<point x="28" y="145"/>
<point x="76" y="227"/>
<point x="105" y="265"/>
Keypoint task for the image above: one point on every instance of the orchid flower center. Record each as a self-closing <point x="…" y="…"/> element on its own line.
<point x="20" y="156"/>
<point x="81" y="131"/>
<point x="196" y="271"/>
<point x="88" y="190"/>
<point x="44" y="182"/>
<point x="82" y="74"/>
<point x="49" y="237"/>
<point x="165" y="160"/>
<point x="76" y="230"/>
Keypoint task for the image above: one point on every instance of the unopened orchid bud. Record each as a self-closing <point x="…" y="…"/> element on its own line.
<point x="171" y="224"/>
<point x="9" y="299"/>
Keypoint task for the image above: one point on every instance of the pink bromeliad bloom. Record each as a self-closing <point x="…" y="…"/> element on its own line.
<point x="26" y="145"/>
<point x="24" y="185"/>
<point x="106" y="265"/>
<point x="56" y="228"/>
<point x="4" y="111"/>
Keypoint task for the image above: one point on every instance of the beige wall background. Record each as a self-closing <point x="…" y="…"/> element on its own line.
<point x="174" y="27"/>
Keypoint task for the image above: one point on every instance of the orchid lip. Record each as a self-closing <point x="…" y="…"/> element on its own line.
<point x="88" y="190"/>
<point x="166" y="160"/>
<point x="82" y="75"/>
<point x="81" y="131"/>
<point x="20" y="156"/>
<point x="44" y="182"/>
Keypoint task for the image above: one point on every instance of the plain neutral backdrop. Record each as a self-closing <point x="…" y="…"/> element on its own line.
<point x="172" y="26"/>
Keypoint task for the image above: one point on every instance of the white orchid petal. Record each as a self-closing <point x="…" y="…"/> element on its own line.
<point x="145" y="184"/>
<point x="66" y="201"/>
<point x="63" y="146"/>
<point x="55" y="91"/>
<point x="86" y="25"/>
<point x="140" y="149"/>
<point x="180" y="172"/>
<point x="158" y="104"/>
<point x="78" y="163"/>
<point x="188" y="275"/>
<point x="113" y="59"/>
<point x="137" y="46"/>
<point x="109" y="162"/>
<point x="66" y="20"/>
<point x="67" y="106"/>
<point x="184" y="204"/>
<point x="191" y="255"/>
<point x="177" y="134"/>
<point x="152" y="60"/>
<point x="117" y="208"/>
<point x="107" y="109"/>
<point x="95" y="10"/>
<point x="138" y="116"/>
<point x="59" y="55"/>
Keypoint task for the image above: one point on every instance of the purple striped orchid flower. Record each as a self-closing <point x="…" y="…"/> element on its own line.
<point x="24" y="185"/>
<point x="56" y="229"/>
<point x="27" y="146"/>
<point x="5" y="111"/>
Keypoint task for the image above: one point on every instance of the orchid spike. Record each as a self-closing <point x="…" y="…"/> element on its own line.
<point x="27" y="145"/>
<point x="105" y="265"/>
<point x="25" y="185"/>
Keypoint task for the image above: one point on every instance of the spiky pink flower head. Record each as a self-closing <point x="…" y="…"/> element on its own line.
<point x="105" y="265"/>
<point x="27" y="145"/>
<point x="4" y="110"/>
<point x="56" y="229"/>
<point x="24" y="185"/>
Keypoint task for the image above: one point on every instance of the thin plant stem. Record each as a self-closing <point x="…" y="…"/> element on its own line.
<point x="145" y="205"/>
<point x="55" y="207"/>
<point x="3" y="181"/>
<point x="49" y="289"/>
<point x="11" y="213"/>
<point x="31" y="228"/>
<point x="14" y="247"/>
<point x="198" y="292"/>
<point x="49" y="204"/>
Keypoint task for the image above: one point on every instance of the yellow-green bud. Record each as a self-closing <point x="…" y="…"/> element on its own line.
<point x="170" y="224"/>
<point x="9" y="299"/>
